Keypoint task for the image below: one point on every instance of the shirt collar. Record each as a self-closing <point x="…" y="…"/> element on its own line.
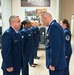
<point x="16" y="31"/>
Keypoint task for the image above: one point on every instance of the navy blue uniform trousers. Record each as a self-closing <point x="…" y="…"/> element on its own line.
<point x="11" y="73"/>
<point x="25" y="69"/>
<point x="56" y="72"/>
<point x="66" y="71"/>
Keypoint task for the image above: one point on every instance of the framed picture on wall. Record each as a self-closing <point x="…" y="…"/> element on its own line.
<point x="35" y="3"/>
<point x="29" y="12"/>
<point x="39" y="11"/>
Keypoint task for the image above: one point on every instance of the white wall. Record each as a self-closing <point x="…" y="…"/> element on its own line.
<point x="6" y="12"/>
<point x="66" y="9"/>
<point x="20" y="11"/>
<point x="0" y="19"/>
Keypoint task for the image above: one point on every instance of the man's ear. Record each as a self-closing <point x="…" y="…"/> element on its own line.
<point x="12" y="23"/>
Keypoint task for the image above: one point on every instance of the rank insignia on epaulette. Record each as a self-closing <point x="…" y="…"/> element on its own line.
<point x="67" y="37"/>
<point x="52" y="23"/>
<point x="7" y="30"/>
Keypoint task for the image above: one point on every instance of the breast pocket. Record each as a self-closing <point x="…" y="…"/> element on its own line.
<point x="15" y="41"/>
<point x="29" y="36"/>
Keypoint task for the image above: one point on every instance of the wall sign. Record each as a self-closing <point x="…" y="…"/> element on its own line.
<point x="35" y="3"/>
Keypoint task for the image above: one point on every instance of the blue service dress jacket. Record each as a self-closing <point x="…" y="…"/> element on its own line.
<point x="35" y="38"/>
<point x="27" y="42"/>
<point x="55" y="46"/>
<point x="11" y="50"/>
<point x="38" y="33"/>
<point x="68" y="47"/>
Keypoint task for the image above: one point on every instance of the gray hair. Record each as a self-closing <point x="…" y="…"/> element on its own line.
<point x="11" y="19"/>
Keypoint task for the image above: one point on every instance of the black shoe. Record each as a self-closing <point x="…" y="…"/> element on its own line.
<point x="37" y="57"/>
<point x="35" y="64"/>
<point x="32" y="65"/>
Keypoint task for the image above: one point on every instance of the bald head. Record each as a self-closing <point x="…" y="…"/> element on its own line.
<point x="46" y="18"/>
<point x="46" y="14"/>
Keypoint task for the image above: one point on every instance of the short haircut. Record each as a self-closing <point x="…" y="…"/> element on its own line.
<point x="45" y="13"/>
<point x="11" y="19"/>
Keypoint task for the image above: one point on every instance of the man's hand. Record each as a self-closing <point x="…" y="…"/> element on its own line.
<point x="52" y="68"/>
<point x="10" y="69"/>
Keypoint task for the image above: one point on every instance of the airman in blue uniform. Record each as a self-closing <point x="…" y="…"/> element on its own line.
<point x="55" y="45"/>
<point x="68" y="49"/>
<point x="27" y="45"/>
<point x="37" y="39"/>
<point x="11" y="48"/>
<point x="31" y="61"/>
